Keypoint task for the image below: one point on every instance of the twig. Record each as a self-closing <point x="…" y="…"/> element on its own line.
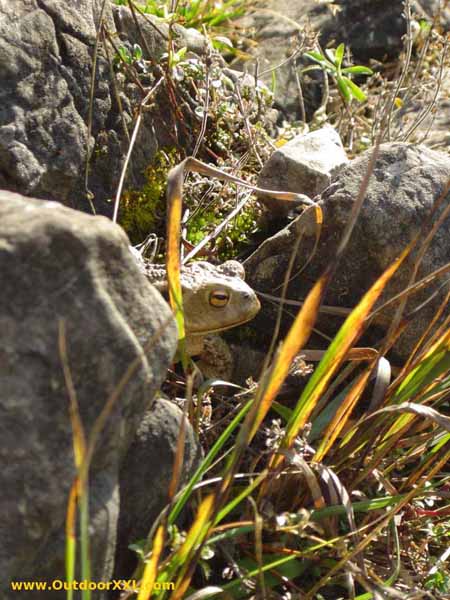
<point x="432" y="104"/>
<point x="150" y="22"/>
<point x="301" y="101"/>
<point x="207" y="98"/>
<point x="329" y="310"/>
<point x="116" y="91"/>
<point x="247" y="125"/>
<point x="284" y="62"/>
<point x="409" y="44"/>
<point x="217" y="230"/>
<point x="131" y="146"/>
<point x="139" y="30"/>
<point x="89" y="194"/>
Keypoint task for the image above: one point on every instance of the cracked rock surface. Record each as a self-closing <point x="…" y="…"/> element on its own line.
<point x="406" y="183"/>
<point x="45" y="58"/>
<point x="46" y="53"/>
<point x="60" y="265"/>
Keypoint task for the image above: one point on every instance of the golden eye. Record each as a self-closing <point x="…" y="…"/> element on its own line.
<point x="219" y="298"/>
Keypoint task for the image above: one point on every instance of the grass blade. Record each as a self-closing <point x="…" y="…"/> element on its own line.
<point x="151" y="568"/>
<point x="173" y="258"/>
<point x="206" y="463"/>
<point x="79" y="490"/>
<point x="194" y="538"/>
<point x="294" y="342"/>
<point x="336" y="353"/>
<point x="342" y="415"/>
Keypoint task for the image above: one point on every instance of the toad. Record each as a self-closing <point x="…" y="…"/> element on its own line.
<point x="215" y="298"/>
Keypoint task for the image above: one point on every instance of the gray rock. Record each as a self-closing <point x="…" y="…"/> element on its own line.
<point x="304" y="165"/>
<point x="276" y="27"/>
<point x="407" y="180"/>
<point x="45" y="57"/>
<point x="60" y="265"/>
<point x="146" y="474"/>
<point x="375" y="28"/>
<point x="46" y="53"/>
<point x="372" y="29"/>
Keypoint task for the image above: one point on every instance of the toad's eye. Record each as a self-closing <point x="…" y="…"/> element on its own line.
<point x="219" y="298"/>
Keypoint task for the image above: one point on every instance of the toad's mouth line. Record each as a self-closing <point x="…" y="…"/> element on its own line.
<point x="198" y="332"/>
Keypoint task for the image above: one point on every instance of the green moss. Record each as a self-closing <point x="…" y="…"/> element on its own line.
<point x="143" y="211"/>
<point x="236" y="235"/>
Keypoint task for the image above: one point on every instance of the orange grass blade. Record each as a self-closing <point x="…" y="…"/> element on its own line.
<point x="71" y="537"/>
<point x="151" y="568"/>
<point x="435" y="363"/>
<point x="78" y="491"/>
<point x="294" y="342"/>
<point x="336" y="354"/>
<point x="173" y="259"/>
<point x="341" y="417"/>
<point x="194" y="538"/>
<point x="78" y="437"/>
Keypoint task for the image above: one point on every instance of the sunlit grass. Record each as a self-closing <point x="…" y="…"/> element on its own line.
<point x="275" y="550"/>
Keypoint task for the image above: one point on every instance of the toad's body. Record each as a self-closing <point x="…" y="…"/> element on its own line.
<point x="214" y="298"/>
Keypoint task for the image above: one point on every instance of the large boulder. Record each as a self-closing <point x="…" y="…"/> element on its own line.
<point x="46" y="51"/>
<point x="146" y="474"/>
<point x="405" y="184"/>
<point x="59" y="267"/>
<point x="46" y="60"/>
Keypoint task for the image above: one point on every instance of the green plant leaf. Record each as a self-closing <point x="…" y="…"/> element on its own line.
<point x="321" y="67"/>
<point x="279" y="563"/>
<point x="433" y="365"/>
<point x="358" y="70"/>
<point x="344" y="89"/>
<point x="284" y="412"/>
<point x="324" y="63"/>
<point x="425" y="26"/>
<point x="223" y="41"/>
<point x="273" y="82"/>
<point x="339" y="54"/>
<point x="178" y="56"/>
<point x="124" y="54"/>
<point x="331" y="55"/>
<point x="316" y="56"/>
<point x="355" y="90"/>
